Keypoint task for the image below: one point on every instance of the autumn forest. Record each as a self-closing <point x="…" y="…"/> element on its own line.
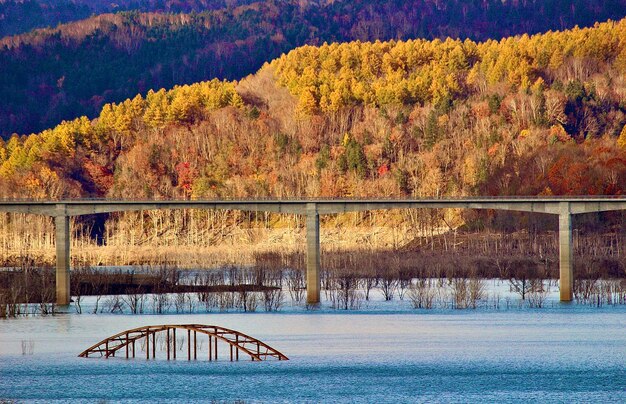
<point x="526" y="115"/>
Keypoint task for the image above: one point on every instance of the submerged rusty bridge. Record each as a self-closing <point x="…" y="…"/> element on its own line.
<point x="125" y="342"/>
<point x="565" y="208"/>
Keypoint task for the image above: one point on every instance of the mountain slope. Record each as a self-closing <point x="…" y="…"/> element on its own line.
<point x="55" y="74"/>
<point x="525" y="115"/>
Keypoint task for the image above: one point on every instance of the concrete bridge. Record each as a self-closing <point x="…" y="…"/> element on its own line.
<point x="63" y="210"/>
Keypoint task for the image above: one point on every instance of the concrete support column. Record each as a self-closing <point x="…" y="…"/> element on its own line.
<point x="566" y="258"/>
<point x="62" y="241"/>
<point x="312" y="254"/>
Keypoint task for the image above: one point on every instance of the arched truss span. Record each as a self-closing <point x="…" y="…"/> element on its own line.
<point x="235" y="340"/>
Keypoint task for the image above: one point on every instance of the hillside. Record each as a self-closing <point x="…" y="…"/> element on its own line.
<point x="54" y="74"/>
<point x="19" y="16"/>
<point x="527" y="115"/>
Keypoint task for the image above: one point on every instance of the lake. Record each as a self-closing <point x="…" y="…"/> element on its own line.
<point x="384" y="352"/>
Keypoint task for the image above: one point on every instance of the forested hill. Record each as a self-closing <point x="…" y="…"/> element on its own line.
<point x="54" y="74"/>
<point x="527" y="115"/>
<point x="19" y="16"/>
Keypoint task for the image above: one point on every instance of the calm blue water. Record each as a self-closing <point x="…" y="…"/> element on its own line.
<point x="567" y="354"/>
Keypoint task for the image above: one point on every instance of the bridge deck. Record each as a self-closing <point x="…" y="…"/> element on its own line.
<point x="77" y="207"/>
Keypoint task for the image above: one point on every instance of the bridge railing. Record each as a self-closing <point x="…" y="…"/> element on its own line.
<point x="319" y="199"/>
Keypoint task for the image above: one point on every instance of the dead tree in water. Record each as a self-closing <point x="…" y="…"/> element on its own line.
<point x="345" y="293"/>
<point x="388" y="285"/>
<point x="523" y="275"/>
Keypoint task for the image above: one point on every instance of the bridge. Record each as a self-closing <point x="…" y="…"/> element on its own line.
<point x="565" y="208"/>
<point x="236" y="341"/>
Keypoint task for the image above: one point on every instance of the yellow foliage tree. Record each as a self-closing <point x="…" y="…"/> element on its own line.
<point x="621" y="140"/>
<point x="307" y="104"/>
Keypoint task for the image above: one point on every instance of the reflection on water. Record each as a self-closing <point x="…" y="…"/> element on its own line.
<point x="571" y="353"/>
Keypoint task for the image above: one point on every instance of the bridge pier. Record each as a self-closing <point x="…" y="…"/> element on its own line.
<point x="566" y="260"/>
<point x="313" y="254"/>
<point x="62" y="242"/>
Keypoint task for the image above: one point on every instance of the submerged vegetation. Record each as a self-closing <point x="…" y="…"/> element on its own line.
<point x="350" y="280"/>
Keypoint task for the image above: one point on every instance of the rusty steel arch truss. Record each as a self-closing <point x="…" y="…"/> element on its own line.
<point x="125" y="342"/>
